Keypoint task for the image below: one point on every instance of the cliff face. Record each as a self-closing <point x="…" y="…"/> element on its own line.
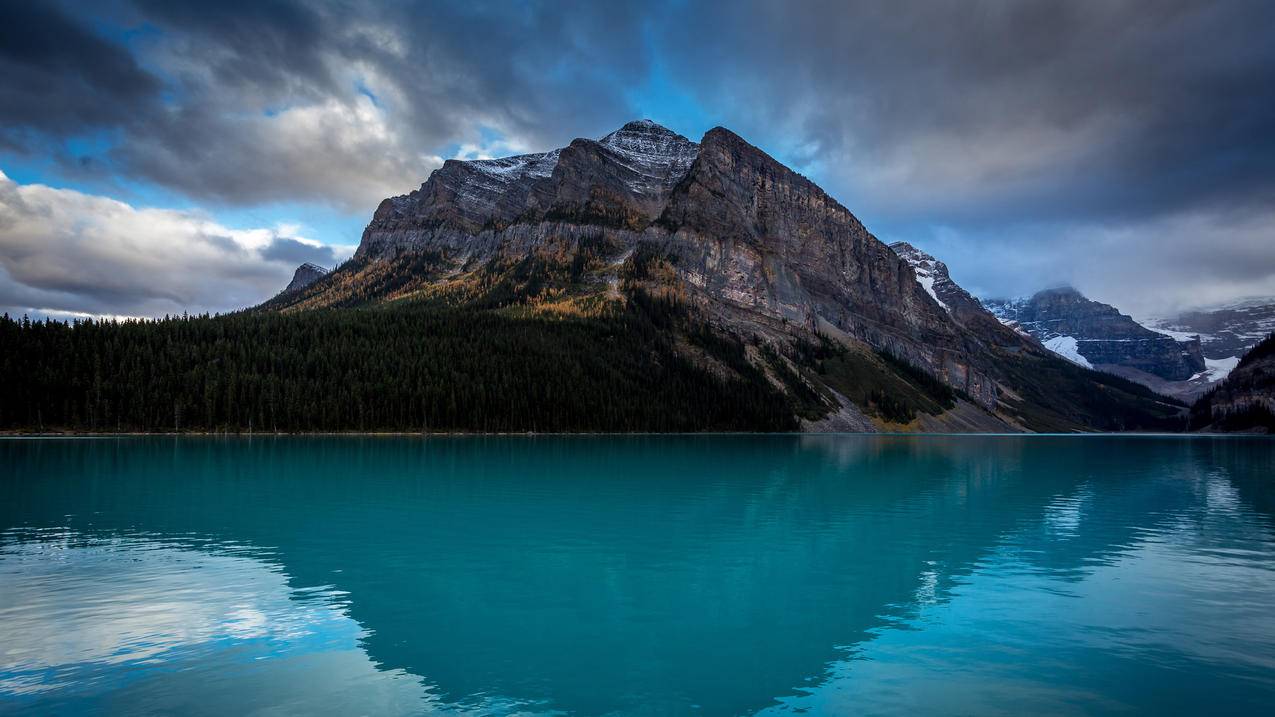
<point x="934" y="278"/>
<point x="756" y="248"/>
<point x="762" y="243"/>
<point x="1097" y="334"/>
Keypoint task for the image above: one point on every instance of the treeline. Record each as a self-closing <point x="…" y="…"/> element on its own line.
<point x="422" y="369"/>
<point x="1235" y="404"/>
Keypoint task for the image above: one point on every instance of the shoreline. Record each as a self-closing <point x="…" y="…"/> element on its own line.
<point x="535" y="434"/>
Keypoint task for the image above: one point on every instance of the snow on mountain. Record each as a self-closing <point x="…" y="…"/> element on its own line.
<point x="1219" y="369"/>
<point x="926" y="268"/>
<point x="658" y="156"/>
<point x="652" y="146"/>
<point x="1074" y="326"/>
<point x="1228" y="330"/>
<point x="1066" y="347"/>
<point x="511" y="169"/>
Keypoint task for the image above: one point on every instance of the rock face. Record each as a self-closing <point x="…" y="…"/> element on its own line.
<point x="621" y="182"/>
<point x="1094" y="334"/>
<point x="305" y="275"/>
<point x="763" y="247"/>
<point x="755" y="247"/>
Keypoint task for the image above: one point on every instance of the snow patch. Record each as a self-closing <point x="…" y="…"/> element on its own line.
<point x="1218" y="369"/>
<point x="924" y="267"/>
<point x="508" y="169"/>
<point x="1157" y="325"/>
<point x="927" y="282"/>
<point x="1065" y="346"/>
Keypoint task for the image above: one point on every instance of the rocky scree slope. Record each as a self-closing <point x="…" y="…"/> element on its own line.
<point x="752" y="250"/>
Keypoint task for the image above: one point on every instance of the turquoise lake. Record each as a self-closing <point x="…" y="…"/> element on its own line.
<point x="647" y="575"/>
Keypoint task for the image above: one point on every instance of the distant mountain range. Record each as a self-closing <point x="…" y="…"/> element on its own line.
<point x="1225" y="333"/>
<point x="1165" y="355"/>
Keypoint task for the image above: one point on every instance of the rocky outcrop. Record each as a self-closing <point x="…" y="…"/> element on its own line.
<point x="1097" y="335"/>
<point x="964" y="309"/>
<point x="621" y="182"/>
<point x="304" y="276"/>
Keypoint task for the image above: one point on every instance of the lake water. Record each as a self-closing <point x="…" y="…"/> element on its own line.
<point x="637" y="575"/>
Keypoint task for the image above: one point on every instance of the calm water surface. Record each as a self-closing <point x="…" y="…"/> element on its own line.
<point x="638" y="575"/>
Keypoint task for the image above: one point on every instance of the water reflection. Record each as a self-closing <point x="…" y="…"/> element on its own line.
<point x="637" y="575"/>
<point x="140" y="625"/>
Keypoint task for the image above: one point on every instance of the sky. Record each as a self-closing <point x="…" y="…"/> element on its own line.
<point x="162" y="156"/>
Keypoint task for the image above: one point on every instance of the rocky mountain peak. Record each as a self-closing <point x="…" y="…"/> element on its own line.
<point x="643" y="129"/>
<point x="933" y="276"/>
<point x="657" y="156"/>
<point x="305" y="275"/>
<point x="929" y="271"/>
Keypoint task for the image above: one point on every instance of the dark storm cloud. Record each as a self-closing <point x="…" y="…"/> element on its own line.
<point x="291" y="251"/>
<point x="61" y="79"/>
<point x="337" y="102"/>
<point x="972" y="111"/>
<point x="994" y="111"/>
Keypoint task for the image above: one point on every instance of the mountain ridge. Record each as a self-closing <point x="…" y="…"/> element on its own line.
<point x="1097" y="334"/>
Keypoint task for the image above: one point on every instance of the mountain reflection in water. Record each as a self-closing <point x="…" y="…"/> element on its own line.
<point x="668" y="575"/>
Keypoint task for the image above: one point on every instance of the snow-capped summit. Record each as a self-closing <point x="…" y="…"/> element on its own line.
<point x="647" y="143"/>
<point x="658" y="156"/>
<point x="928" y="270"/>
<point x="1226" y="332"/>
<point x="933" y="276"/>
<point x="510" y="169"/>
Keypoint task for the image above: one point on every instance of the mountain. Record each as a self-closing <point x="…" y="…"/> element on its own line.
<point x="1245" y="401"/>
<point x="305" y="275"/>
<point x="638" y="282"/>
<point x="1225" y="333"/>
<point x="933" y="276"/>
<point x="729" y="254"/>
<point x="1097" y="335"/>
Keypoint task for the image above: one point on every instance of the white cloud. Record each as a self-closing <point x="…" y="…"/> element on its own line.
<point x="340" y="151"/>
<point x="1151" y="267"/>
<point x="66" y="252"/>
